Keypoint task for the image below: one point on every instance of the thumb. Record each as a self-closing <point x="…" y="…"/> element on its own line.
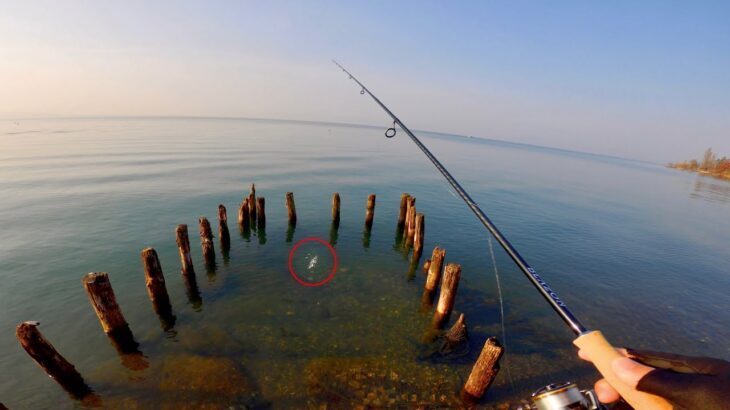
<point x="629" y="371"/>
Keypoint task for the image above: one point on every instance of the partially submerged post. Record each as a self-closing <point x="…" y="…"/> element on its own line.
<point x="410" y="229"/>
<point x="223" y="234"/>
<point x="55" y="365"/>
<point x="102" y="298"/>
<point x="243" y="216"/>
<point x="370" y="211"/>
<point x="291" y="208"/>
<point x="204" y="228"/>
<point x="261" y="211"/>
<point x="206" y="241"/>
<point x="156" y="288"/>
<point x="449" y="285"/>
<point x="252" y="202"/>
<point x="484" y="371"/>
<point x="419" y="234"/>
<point x="183" y="246"/>
<point x="208" y="251"/>
<point x="403" y="209"/>
<point x="434" y="270"/>
<point x="336" y="209"/>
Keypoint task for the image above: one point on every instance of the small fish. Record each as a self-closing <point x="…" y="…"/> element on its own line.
<point x="312" y="263"/>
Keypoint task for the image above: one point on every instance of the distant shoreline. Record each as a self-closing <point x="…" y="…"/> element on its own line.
<point x="710" y="165"/>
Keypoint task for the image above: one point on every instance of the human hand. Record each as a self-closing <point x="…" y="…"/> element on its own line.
<point x="686" y="382"/>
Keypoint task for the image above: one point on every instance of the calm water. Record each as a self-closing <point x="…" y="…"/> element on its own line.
<point x="635" y="249"/>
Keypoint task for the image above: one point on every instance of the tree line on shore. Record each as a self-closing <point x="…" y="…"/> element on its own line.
<point x="710" y="164"/>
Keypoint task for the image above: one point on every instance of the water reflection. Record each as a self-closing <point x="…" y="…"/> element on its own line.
<point x="128" y="349"/>
<point x="366" y="234"/>
<point x="261" y="233"/>
<point x="192" y="292"/>
<point x="334" y="233"/>
<point x="290" y="231"/>
<point x="711" y="190"/>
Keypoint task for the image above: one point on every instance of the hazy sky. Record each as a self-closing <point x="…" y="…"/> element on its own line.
<point x="643" y="79"/>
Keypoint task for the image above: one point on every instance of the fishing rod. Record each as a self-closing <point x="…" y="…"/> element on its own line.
<point x="591" y="341"/>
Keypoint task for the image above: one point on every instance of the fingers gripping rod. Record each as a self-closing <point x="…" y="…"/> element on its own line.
<point x="592" y="342"/>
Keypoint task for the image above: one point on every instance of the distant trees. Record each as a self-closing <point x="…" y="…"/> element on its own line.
<point x="710" y="164"/>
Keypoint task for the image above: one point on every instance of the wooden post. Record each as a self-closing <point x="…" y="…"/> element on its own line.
<point x="403" y="209"/>
<point x="370" y="211"/>
<point x="291" y="208"/>
<point x="155" y="281"/>
<point x="450" y="283"/>
<point x="261" y="211"/>
<point x="102" y="298"/>
<point x="183" y="246"/>
<point x="206" y="241"/>
<point x="426" y="265"/>
<point x="252" y="202"/>
<point x="204" y="228"/>
<point x="410" y="229"/>
<point x="458" y="332"/>
<point x="484" y="371"/>
<point x="243" y="215"/>
<point x="55" y="365"/>
<point x="208" y="251"/>
<point x="336" y="209"/>
<point x="419" y="234"/>
<point x="223" y="234"/>
<point x="434" y="271"/>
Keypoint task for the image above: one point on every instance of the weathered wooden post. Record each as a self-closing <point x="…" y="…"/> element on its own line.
<point x="206" y="241"/>
<point x="403" y="209"/>
<point x="419" y="234"/>
<point x="208" y="251"/>
<point x="370" y="211"/>
<point x="204" y="228"/>
<point x="252" y="202"/>
<point x="183" y="246"/>
<point x="261" y="211"/>
<point x="484" y="371"/>
<point x="291" y="208"/>
<point x="410" y="229"/>
<point x="156" y="288"/>
<point x="55" y="365"/>
<point x="434" y="270"/>
<point x="449" y="285"/>
<point x="223" y="233"/>
<point x="102" y="298"/>
<point x="336" y="209"/>
<point x="243" y="216"/>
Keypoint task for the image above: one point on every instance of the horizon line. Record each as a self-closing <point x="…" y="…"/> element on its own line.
<point x="335" y="123"/>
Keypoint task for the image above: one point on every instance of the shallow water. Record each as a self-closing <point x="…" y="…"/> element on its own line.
<point x="635" y="249"/>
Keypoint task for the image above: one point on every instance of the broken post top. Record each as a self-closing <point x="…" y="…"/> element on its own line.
<point x="102" y="298"/>
<point x="291" y="208"/>
<point x="205" y="230"/>
<point x="222" y="214"/>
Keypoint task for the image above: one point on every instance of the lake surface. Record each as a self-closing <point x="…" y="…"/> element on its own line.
<point x="635" y="249"/>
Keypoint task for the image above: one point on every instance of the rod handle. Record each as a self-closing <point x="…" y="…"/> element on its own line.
<point x="602" y="354"/>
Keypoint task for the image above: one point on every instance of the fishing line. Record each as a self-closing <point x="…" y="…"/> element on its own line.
<point x="501" y="314"/>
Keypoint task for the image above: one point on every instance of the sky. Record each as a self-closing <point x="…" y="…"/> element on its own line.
<point x="640" y="79"/>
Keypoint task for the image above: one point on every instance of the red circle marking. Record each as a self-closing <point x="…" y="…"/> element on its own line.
<point x="291" y="262"/>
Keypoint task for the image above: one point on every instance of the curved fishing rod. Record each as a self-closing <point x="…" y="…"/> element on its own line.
<point x="544" y="289"/>
<point x="593" y="342"/>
